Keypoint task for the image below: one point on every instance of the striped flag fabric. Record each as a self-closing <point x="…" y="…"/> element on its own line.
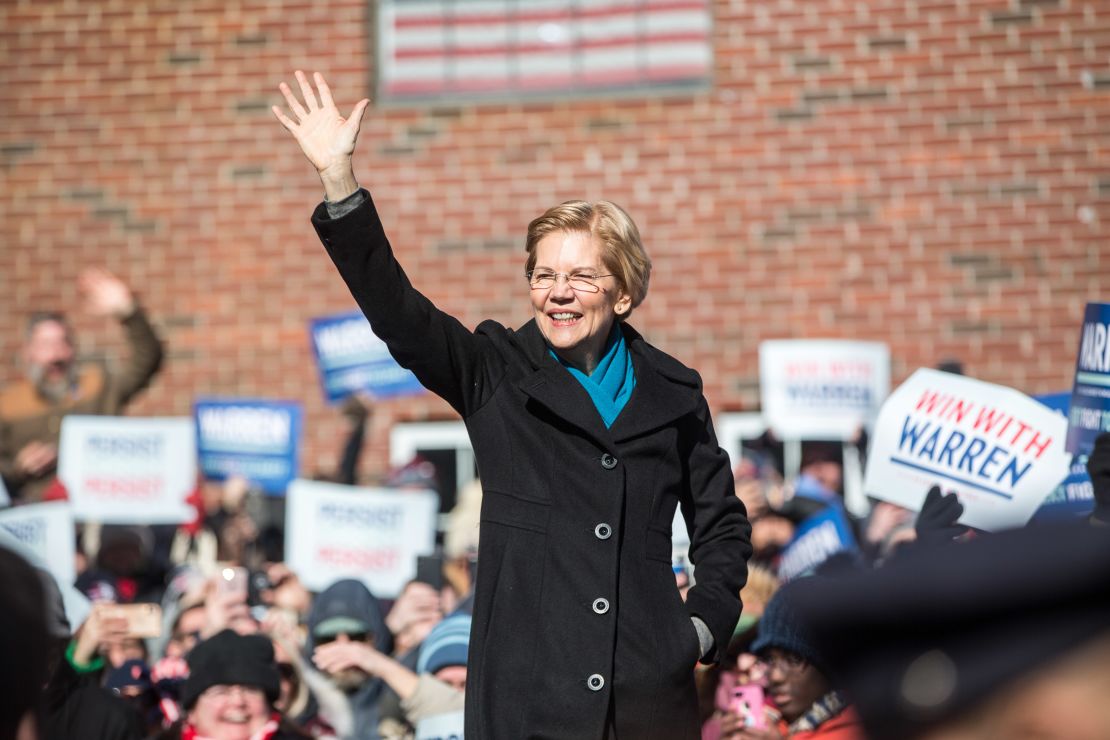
<point x="475" y="48"/>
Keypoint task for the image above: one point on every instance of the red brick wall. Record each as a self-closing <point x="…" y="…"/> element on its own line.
<point x="932" y="174"/>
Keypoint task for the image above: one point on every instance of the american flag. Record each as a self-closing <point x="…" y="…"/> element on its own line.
<point x="466" y="48"/>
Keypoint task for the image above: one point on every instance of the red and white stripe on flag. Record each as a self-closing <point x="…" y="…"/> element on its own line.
<point x="438" y="48"/>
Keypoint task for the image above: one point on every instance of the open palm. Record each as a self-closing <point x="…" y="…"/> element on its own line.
<point x="326" y="138"/>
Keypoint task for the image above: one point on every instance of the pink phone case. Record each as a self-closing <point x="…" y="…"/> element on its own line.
<point x="747" y="702"/>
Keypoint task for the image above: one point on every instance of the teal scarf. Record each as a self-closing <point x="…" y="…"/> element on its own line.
<point x="611" y="383"/>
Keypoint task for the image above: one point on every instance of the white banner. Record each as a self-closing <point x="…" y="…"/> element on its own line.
<point x="128" y="470"/>
<point x="822" y="388"/>
<point x="372" y="534"/>
<point x="45" y="534"/>
<point x="1001" y="451"/>
<point x="448" y="726"/>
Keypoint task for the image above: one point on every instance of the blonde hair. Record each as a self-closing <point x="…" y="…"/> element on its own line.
<point x="622" y="252"/>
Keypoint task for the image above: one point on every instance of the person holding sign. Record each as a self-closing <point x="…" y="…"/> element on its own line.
<point x="31" y="410"/>
<point x="587" y="439"/>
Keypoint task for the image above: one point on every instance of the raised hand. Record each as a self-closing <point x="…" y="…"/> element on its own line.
<point x="106" y="294"/>
<point x="326" y="138"/>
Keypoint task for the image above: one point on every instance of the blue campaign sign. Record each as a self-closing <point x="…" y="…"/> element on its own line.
<point x="253" y="438"/>
<point x="1090" y="397"/>
<point x="1075" y="496"/>
<point x="351" y="358"/>
<point x="816" y="539"/>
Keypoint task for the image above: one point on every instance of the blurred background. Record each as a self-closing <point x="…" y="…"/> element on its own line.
<point x="932" y="175"/>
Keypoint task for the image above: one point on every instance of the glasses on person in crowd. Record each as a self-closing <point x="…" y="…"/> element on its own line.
<point x="225" y="691"/>
<point x="581" y="281"/>
<point x="785" y="662"/>
<point x="352" y="636"/>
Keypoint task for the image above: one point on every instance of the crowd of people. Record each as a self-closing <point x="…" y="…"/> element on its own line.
<point x="919" y="630"/>
<point x="925" y="629"/>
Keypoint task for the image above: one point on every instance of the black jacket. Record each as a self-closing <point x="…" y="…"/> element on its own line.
<point x="76" y="706"/>
<point x="575" y="602"/>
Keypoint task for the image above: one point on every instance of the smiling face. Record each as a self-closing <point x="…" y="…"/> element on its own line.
<point x="576" y="323"/>
<point x="226" y="712"/>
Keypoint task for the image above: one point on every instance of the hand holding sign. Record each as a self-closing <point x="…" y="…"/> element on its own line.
<point x="936" y="522"/>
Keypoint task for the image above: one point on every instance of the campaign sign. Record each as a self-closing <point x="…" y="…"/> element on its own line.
<point x="822" y="388"/>
<point x="447" y="726"/>
<point x="1090" y="396"/>
<point x="998" y="449"/>
<point x="45" y="536"/>
<point x="122" y="470"/>
<point x="351" y="358"/>
<point x="334" y="531"/>
<point x="1075" y="496"/>
<point x="256" y="439"/>
<point x="816" y="539"/>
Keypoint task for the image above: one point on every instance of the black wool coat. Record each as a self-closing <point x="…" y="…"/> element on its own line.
<point x="577" y="620"/>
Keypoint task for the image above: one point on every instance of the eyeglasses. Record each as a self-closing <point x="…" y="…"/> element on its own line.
<point x="785" y="662"/>
<point x="584" y="282"/>
<point x="352" y="636"/>
<point x="224" y="691"/>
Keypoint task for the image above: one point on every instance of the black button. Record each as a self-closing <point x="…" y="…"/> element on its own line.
<point x="608" y="461"/>
<point x="603" y="531"/>
<point x="596" y="682"/>
<point x="601" y="606"/>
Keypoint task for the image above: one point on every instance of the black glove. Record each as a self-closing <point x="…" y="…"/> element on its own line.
<point x="936" y="522"/>
<point x="1098" y="467"/>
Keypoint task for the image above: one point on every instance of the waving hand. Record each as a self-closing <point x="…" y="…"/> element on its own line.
<point x="326" y="137"/>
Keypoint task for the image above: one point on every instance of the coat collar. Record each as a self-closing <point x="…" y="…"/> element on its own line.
<point x="665" y="388"/>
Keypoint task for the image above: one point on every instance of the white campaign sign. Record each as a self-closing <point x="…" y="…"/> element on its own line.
<point x="448" y="726"/>
<point x="128" y="470"/>
<point x="372" y="534"/>
<point x="998" y="449"/>
<point x="822" y="388"/>
<point x="45" y="535"/>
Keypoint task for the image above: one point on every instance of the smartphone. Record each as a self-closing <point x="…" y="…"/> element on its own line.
<point x="143" y="620"/>
<point x="429" y="570"/>
<point x="233" y="581"/>
<point x="747" y="702"/>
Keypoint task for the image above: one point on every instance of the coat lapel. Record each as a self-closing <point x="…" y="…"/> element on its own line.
<point x="665" y="389"/>
<point x="555" y="389"/>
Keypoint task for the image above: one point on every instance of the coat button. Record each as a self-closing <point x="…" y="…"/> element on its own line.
<point x="603" y="531"/>
<point x="608" y="461"/>
<point x="596" y="682"/>
<point x="601" y="606"/>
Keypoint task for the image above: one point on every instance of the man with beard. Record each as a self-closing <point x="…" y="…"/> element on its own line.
<point x="345" y="622"/>
<point x="31" y="409"/>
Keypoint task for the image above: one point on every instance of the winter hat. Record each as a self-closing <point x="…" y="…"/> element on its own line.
<point x="780" y="626"/>
<point x="447" y="644"/>
<point x="229" y="658"/>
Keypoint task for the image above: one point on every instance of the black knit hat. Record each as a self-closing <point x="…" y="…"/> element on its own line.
<point x="229" y="658"/>
<point x="781" y="627"/>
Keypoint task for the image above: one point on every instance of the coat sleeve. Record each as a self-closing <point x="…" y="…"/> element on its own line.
<point x="447" y="358"/>
<point x="144" y="362"/>
<point x="720" y="536"/>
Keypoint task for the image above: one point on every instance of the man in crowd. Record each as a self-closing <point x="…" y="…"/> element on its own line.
<point x="31" y="409"/>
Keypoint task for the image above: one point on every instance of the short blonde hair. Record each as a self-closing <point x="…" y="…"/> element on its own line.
<point x="622" y="252"/>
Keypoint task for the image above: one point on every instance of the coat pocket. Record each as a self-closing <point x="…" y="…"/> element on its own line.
<point x="657" y="544"/>
<point x="513" y="511"/>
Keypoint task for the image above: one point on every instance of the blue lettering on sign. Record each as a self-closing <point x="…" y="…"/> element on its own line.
<point x="116" y="446"/>
<point x="949" y="453"/>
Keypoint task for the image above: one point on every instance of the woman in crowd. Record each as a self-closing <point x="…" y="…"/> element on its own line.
<point x="587" y="439"/>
